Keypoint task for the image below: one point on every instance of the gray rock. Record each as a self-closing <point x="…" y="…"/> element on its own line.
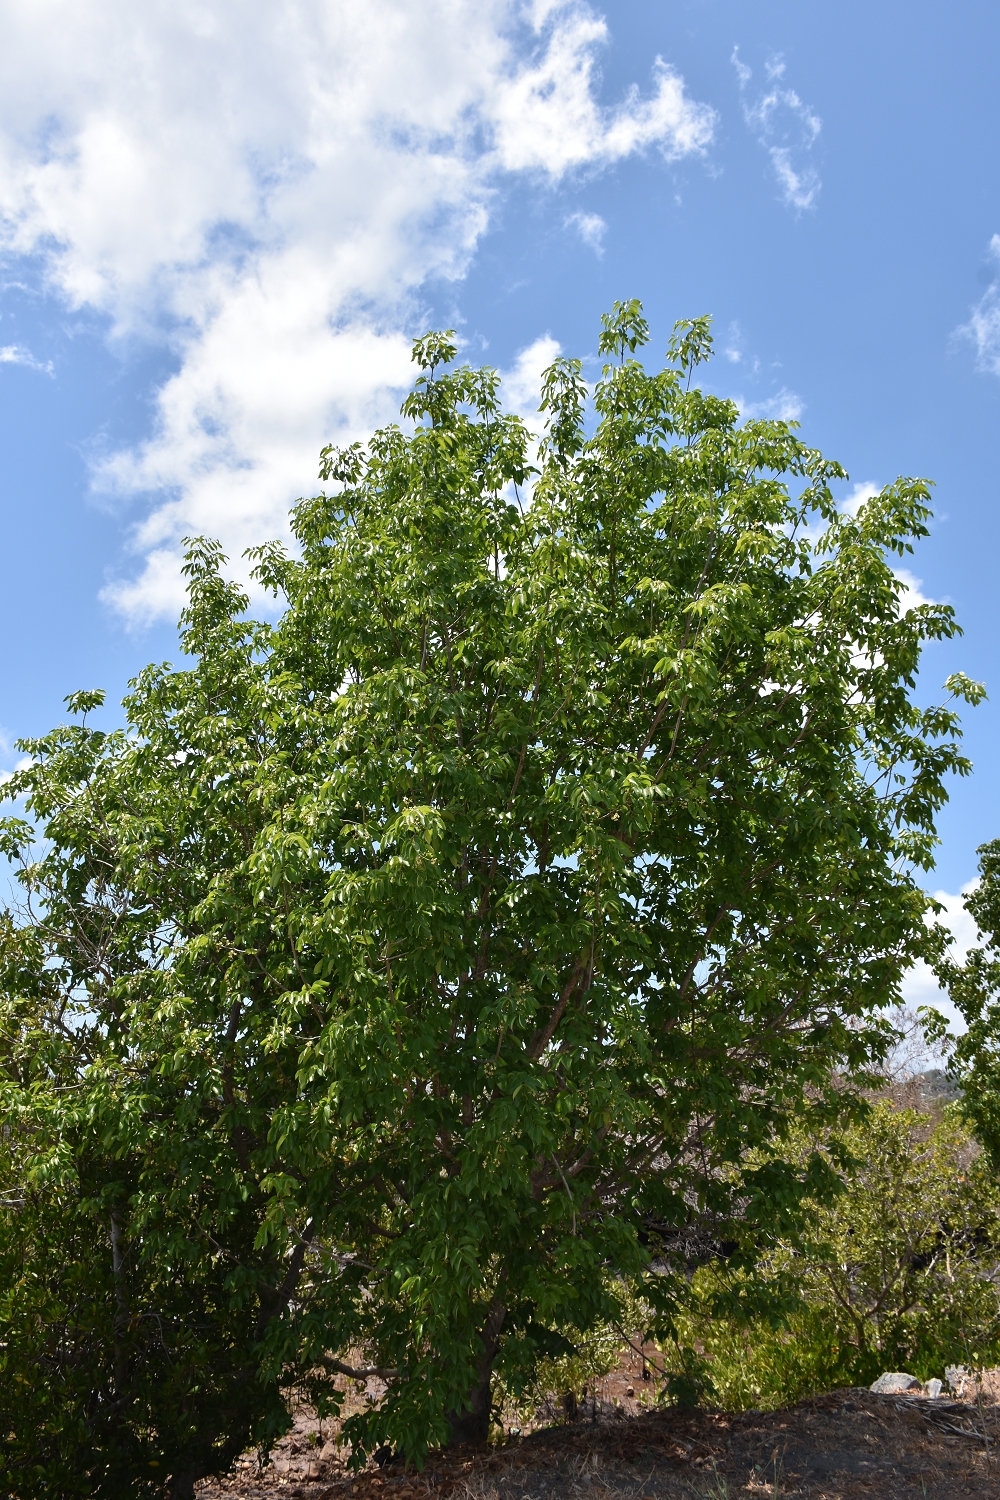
<point x="933" y="1388"/>
<point x="896" y="1384"/>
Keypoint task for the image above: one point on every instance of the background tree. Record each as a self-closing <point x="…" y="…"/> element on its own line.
<point x="974" y="987"/>
<point x="901" y="1271"/>
<point x="408" y="969"/>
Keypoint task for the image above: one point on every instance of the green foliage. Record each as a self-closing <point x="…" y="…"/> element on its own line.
<point x="579" y="1357"/>
<point x="406" y="967"/>
<point x="120" y="1363"/>
<point x="974" y="987"/>
<point x="67" y="1339"/>
<point x="901" y="1271"/>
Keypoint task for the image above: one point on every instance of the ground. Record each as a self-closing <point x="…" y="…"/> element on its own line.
<point x="843" y="1445"/>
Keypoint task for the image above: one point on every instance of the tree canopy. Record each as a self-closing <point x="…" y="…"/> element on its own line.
<point x="412" y="970"/>
<point x="974" y="986"/>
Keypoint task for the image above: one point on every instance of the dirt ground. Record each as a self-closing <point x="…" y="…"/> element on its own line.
<point x="844" y="1445"/>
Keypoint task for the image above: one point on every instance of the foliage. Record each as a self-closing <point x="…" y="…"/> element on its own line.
<point x="901" y="1271"/>
<point x="579" y="1357"/>
<point x="405" y="967"/>
<point x="117" y="1367"/>
<point x="974" y="987"/>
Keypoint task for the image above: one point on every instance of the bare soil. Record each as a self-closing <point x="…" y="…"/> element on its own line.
<point x="843" y="1445"/>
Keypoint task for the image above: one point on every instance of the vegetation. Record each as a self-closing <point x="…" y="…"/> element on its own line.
<point x="901" y="1271"/>
<point x="974" y="986"/>
<point x="408" y="974"/>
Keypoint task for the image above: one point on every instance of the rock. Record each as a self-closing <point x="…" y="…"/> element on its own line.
<point x="328" y="1450"/>
<point x="896" y="1384"/>
<point x="933" y="1388"/>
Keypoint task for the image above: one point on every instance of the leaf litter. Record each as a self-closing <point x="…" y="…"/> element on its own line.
<point x="842" y="1445"/>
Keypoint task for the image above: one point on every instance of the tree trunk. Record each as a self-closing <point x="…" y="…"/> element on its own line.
<point x="472" y="1423"/>
<point x="206" y="1461"/>
<point x="181" y="1486"/>
<point x="119" y="1325"/>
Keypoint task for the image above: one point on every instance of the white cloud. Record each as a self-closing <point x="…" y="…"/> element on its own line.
<point x="16" y="354"/>
<point x="983" y="327"/>
<point x="799" y="186"/>
<point x="786" y="406"/>
<point x="21" y="765"/>
<point x="522" y="384"/>
<point x="736" y="352"/>
<point x="547" y="118"/>
<point x="786" y="128"/>
<point x="911" y="597"/>
<point x="860" y="494"/>
<point x="591" y="229"/>
<point x="919" y="985"/>
<point x="268" y="188"/>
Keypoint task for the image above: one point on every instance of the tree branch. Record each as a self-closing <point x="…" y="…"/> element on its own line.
<point x="337" y="1367"/>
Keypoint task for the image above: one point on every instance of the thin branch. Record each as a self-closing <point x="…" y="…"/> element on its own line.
<point x="337" y="1367"/>
<point x="544" y="1035"/>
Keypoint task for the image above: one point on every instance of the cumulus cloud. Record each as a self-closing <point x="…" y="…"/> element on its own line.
<point x="268" y="188"/>
<point x="860" y="494"/>
<point x="547" y="117"/>
<point x="522" y="384"/>
<point x="983" y="327"/>
<point x="919" y="985"/>
<point x="591" y="229"/>
<point x="21" y="765"/>
<point x="786" y="128"/>
<point x="911" y="596"/>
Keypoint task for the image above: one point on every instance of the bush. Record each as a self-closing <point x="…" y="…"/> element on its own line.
<point x="81" y="1323"/>
<point x="900" y="1271"/>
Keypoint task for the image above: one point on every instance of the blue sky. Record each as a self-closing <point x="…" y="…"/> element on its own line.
<point x="221" y="223"/>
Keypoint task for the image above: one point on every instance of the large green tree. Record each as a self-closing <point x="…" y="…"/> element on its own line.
<point x="408" y="969"/>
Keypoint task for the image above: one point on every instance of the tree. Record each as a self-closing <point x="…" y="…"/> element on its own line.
<point x="974" y="987"/>
<point x="408" y="969"/>
<point x="901" y="1271"/>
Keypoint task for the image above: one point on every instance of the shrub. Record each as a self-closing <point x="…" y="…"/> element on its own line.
<point x="900" y="1271"/>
